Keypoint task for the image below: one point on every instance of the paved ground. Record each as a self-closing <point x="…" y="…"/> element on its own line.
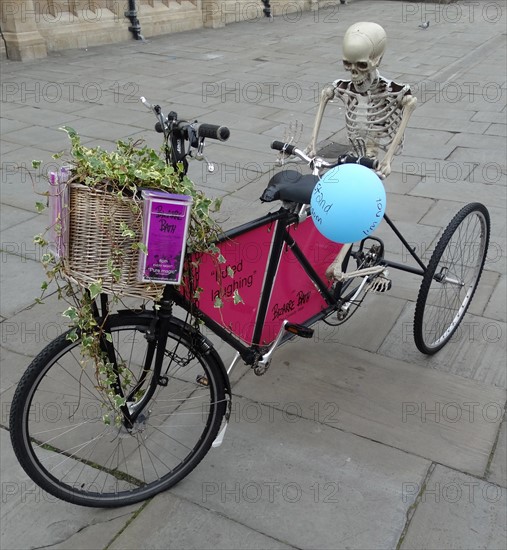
<point x="388" y="448"/>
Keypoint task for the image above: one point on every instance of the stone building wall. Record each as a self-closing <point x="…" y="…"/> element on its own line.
<point x="32" y="28"/>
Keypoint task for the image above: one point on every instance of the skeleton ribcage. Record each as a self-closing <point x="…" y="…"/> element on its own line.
<point x="372" y="120"/>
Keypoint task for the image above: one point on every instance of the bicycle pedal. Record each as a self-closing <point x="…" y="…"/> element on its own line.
<point x="299" y="330"/>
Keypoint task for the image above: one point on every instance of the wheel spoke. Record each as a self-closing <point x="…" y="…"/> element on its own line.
<point x="71" y="440"/>
<point x="451" y="278"/>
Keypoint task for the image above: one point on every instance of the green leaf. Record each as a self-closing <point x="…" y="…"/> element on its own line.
<point x="70" y="131"/>
<point x="72" y="336"/>
<point x="95" y="289"/>
<point x="217" y="205"/>
<point x="126" y="231"/>
<point x="86" y="341"/>
<point x="230" y="272"/>
<point x="71" y="313"/>
<point x="218" y="302"/>
<point x="237" y="298"/>
<point x="39" y="239"/>
<point x="197" y="292"/>
<point x="119" y="401"/>
<point x="47" y="258"/>
<point x="36" y="164"/>
<point x="40" y="207"/>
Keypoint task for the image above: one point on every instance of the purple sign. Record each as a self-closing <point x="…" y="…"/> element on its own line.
<point x="165" y="226"/>
<point x="58" y="231"/>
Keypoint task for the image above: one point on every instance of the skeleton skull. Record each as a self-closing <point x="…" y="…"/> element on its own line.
<point x="363" y="48"/>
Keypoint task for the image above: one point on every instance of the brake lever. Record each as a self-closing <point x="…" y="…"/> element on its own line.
<point x="146" y="103"/>
<point x="199" y="155"/>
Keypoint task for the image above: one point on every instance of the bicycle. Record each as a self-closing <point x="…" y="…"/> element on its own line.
<point x="176" y="387"/>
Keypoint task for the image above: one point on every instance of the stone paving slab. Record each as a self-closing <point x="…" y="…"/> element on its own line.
<point x="12" y="367"/>
<point x="429" y="143"/>
<point x="176" y="524"/>
<point x="476" y="350"/>
<point x="384" y="399"/>
<point x="351" y="485"/>
<point x="497" y="305"/>
<point x="476" y="155"/>
<point x="7" y="125"/>
<point x="446" y="210"/>
<point x="492" y="195"/>
<point x="30" y="114"/>
<point x="463" y="512"/>
<point x="11" y="216"/>
<point x="472" y="141"/>
<point x="376" y="322"/>
<point x="24" y="274"/>
<point x="18" y="237"/>
<point x="405" y="208"/>
<point x="486" y="116"/>
<point x="47" y="138"/>
<point x="14" y="172"/>
<point x="35" y="327"/>
<point x="497" y="130"/>
<point x="32" y="518"/>
<point x="498" y="468"/>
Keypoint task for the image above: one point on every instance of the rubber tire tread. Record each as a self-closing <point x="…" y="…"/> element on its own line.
<point x="56" y="347"/>
<point x="430" y="271"/>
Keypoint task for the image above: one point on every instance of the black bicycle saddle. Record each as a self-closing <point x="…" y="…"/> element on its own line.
<point x="290" y="185"/>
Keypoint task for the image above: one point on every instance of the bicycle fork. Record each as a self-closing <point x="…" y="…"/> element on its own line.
<point x="156" y="337"/>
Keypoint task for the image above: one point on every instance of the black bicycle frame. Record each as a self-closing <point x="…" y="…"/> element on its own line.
<point x="282" y="220"/>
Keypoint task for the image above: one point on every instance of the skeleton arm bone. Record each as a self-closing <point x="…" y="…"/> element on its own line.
<point x="409" y="104"/>
<point x="326" y="95"/>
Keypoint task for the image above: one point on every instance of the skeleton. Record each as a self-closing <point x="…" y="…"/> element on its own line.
<point x="377" y="109"/>
<point x="377" y="113"/>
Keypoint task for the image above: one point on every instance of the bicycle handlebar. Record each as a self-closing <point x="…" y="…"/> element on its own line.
<point x="289" y="149"/>
<point x="212" y="131"/>
<point x="344" y="159"/>
<point x="202" y="130"/>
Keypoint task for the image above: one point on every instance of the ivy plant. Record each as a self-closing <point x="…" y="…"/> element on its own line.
<point x="123" y="172"/>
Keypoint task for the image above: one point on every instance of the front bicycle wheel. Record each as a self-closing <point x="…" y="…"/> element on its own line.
<point x="73" y="445"/>
<point x="451" y="278"/>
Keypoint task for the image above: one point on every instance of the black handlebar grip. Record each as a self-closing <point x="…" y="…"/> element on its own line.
<point x="364" y="161"/>
<point x="281" y="146"/>
<point x="213" y="131"/>
<point x="159" y="128"/>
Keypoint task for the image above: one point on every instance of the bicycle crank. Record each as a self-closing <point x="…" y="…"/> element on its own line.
<point x="293" y="328"/>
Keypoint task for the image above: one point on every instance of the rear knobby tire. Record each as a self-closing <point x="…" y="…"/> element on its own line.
<point x="451" y="278"/>
<point x="73" y="445"/>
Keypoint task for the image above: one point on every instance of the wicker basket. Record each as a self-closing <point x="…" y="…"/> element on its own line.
<point x="95" y="237"/>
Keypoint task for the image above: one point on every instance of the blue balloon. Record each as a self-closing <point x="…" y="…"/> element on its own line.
<point x="348" y="203"/>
